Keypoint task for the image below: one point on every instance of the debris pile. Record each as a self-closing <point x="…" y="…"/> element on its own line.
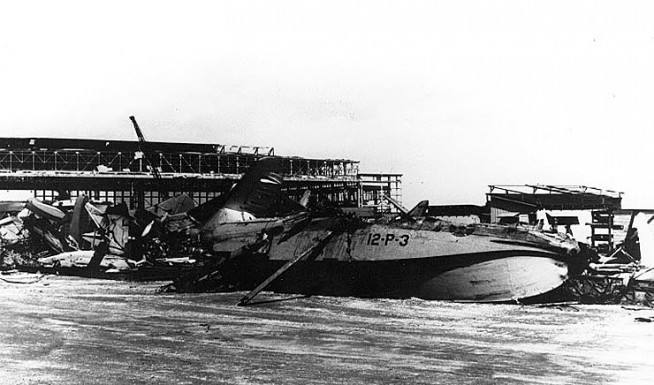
<point x="255" y="237"/>
<point x="89" y="238"/>
<point x="615" y="278"/>
<point x="163" y="242"/>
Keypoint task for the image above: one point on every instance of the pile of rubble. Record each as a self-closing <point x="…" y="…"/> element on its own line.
<point x="618" y="277"/>
<point x="99" y="238"/>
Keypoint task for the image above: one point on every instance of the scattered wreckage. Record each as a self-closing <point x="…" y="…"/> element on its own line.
<point x="254" y="237"/>
<point x="91" y="239"/>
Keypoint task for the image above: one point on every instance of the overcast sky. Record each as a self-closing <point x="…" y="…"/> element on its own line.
<point x="455" y="95"/>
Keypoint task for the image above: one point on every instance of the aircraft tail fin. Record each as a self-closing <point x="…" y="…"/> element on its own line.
<point x="420" y="210"/>
<point x="257" y="194"/>
<point x="257" y="190"/>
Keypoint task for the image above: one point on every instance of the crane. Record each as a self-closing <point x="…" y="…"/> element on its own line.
<point x="147" y="154"/>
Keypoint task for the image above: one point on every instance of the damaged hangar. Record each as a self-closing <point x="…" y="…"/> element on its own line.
<point x="143" y="174"/>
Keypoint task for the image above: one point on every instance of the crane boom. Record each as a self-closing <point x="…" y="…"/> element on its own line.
<point x="148" y="155"/>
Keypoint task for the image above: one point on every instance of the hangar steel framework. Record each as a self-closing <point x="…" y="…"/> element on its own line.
<point x="117" y="171"/>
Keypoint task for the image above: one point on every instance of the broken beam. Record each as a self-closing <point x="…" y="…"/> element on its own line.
<point x="249" y="296"/>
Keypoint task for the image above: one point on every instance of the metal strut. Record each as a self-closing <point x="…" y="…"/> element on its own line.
<point x="249" y="296"/>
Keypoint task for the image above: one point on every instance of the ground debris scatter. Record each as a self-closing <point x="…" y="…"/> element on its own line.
<point x="70" y="330"/>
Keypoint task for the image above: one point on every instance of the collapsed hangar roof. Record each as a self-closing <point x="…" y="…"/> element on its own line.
<point x="529" y="198"/>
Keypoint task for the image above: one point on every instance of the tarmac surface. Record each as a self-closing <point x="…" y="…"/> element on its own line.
<point x="67" y="330"/>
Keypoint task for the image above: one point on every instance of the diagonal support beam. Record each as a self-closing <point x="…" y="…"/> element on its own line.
<point x="320" y="244"/>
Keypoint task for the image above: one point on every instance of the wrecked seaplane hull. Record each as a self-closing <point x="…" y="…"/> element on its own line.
<point x="496" y="279"/>
<point x="261" y="240"/>
<point x="498" y="264"/>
